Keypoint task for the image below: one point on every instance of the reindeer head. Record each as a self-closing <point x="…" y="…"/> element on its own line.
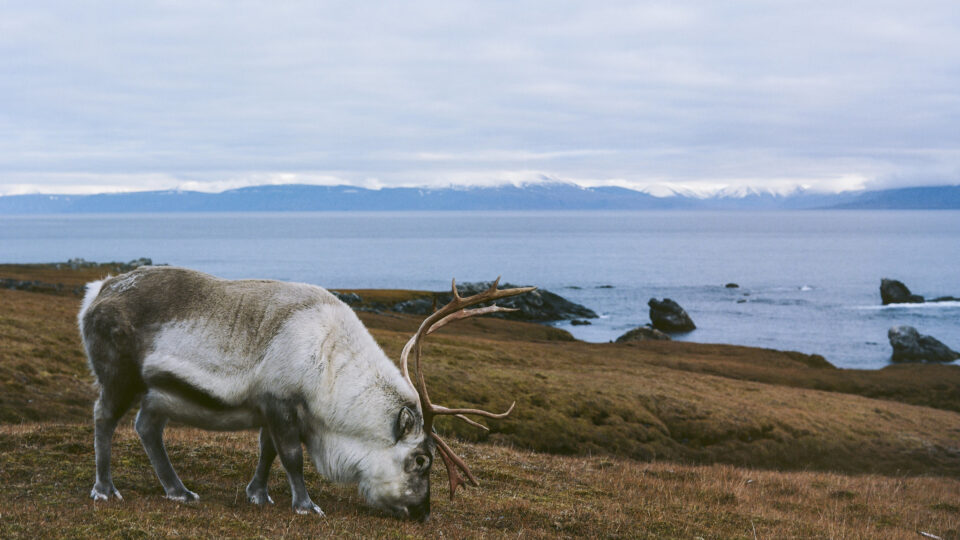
<point x="453" y="311"/>
<point x="393" y="467"/>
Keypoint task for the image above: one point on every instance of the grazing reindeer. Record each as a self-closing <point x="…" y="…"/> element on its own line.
<point x="287" y="358"/>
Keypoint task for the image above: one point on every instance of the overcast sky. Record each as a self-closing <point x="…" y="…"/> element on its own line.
<point x="106" y="96"/>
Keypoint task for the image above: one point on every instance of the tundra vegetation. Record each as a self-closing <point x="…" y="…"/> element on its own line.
<point x="647" y="439"/>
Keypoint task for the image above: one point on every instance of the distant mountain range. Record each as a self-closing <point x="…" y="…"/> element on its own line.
<point x="547" y="196"/>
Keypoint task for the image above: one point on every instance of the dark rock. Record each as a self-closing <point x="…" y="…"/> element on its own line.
<point x="604" y="286"/>
<point x="643" y="333"/>
<point x="580" y="322"/>
<point x="416" y="306"/>
<point x="667" y="316"/>
<point x="893" y="291"/>
<point x="912" y="346"/>
<point x="77" y="263"/>
<point x="31" y="286"/>
<point x="137" y="263"/>
<point x="741" y="300"/>
<point x="351" y="299"/>
<point x="540" y="305"/>
<point x="945" y="299"/>
<point x="732" y="286"/>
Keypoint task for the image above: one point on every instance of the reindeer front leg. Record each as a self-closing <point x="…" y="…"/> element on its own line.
<point x="285" y="434"/>
<point x="257" y="488"/>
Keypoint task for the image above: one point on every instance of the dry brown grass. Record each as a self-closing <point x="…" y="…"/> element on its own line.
<point x="43" y="372"/>
<point x="612" y="408"/>
<point x="46" y="474"/>
<point x="59" y="273"/>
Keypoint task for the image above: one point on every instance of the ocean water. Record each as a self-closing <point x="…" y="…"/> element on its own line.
<point x="809" y="281"/>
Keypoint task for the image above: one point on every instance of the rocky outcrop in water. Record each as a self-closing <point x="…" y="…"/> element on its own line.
<point x="643" y="333"/>
<point x="893" y="291"/>
<point x="540" y="305"/>
<point x="912" y="346"/>
<point x="667" y="316"/>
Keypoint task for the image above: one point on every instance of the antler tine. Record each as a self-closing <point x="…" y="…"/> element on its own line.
<point x="440" y="410"/>
<point x="453" y="462"/>
<point x="466" y="314"/>
<point x="456" y="293"/>
<point x="472" y="422"/>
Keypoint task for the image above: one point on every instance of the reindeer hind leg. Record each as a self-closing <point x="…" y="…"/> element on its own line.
<point x="149" y="424"/>
<point x="120" y="384"/>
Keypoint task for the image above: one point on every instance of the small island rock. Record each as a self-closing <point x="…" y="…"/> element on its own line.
<point x="643" y="333"/>
<point x="667" y="316"/>
<point x="893" y="291"/>
<point x="912" y="346"/>
<point x="732" y="286"/>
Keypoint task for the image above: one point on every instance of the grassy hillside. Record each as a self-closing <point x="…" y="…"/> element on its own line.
<point x="647" y="439"/>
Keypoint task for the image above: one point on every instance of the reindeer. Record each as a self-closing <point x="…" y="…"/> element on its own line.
<point x="289" y="359"/>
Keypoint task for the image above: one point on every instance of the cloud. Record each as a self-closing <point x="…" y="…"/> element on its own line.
<point x="150" y="95"/>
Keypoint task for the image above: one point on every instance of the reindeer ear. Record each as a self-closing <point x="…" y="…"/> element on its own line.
<point x="406" y="421"/>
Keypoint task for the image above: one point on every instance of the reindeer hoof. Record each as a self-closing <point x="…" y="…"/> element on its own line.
<point x="186" y="496"/>
<point x="308" y="508"/>
<point x="259" y="497"/>
<point x="103" y="493"/>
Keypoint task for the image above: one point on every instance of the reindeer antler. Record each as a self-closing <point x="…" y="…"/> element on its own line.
<point x="453" y="311"/>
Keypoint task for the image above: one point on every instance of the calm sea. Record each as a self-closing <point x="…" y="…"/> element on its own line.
<point x="809" y="281"/>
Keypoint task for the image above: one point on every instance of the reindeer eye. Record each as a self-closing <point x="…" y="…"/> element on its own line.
<point x="405" y="423"/>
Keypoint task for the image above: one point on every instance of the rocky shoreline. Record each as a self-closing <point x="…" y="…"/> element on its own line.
<point x="541" y="305"/>
<point x="59" y="287"/>
<point x="667" y="317"/>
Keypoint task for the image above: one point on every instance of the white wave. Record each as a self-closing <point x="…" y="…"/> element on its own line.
<point x="925" y="305"/>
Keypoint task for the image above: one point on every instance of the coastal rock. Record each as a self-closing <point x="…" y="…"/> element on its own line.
<point x="79" y="262"/>
<point x="137" y="263"/>
<point x="667" y="316"/>
<point x="540" y="305"/>
<point x="643" y="333"/>
<point x="351" y="299"/>
<point x="732" y="286"/>
<point x="945" y="299"/>
<point x="912" y="346"/>
<point x="416" y="306"/>
<point x="893" y="291"/>
<point x="31" y="285"/>
<point x="580" y="322"/>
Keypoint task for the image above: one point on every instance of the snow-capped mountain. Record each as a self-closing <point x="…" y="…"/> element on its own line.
<point x="536" y="196"/>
